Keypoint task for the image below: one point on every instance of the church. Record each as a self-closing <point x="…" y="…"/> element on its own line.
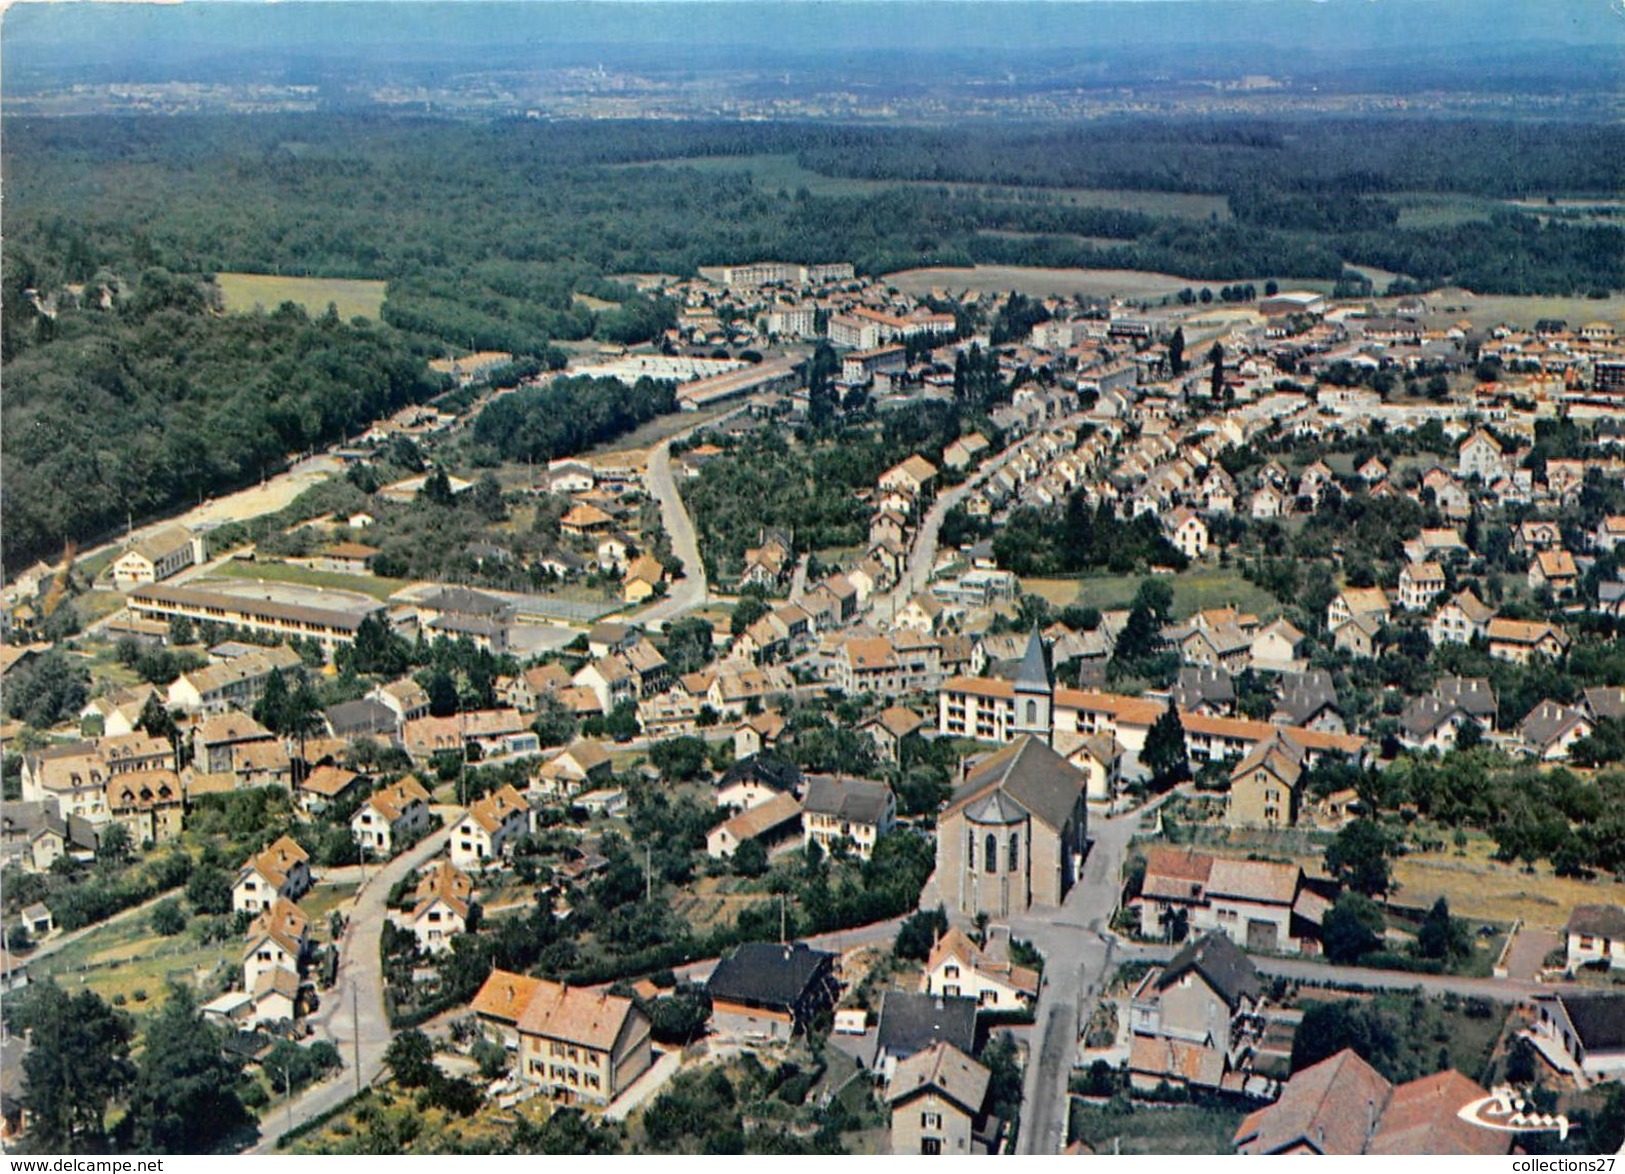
<point x="1013" y="834"/>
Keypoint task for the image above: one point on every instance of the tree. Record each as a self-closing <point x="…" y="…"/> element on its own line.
<point x="1329" y="1027"/>
<point x="1156" y="595"/>
<point x="78" y="1063"/>
<point x="209" y="890"/>
<point x="47" y="690"/>
<point x="1216" y="357"/>
<point x="821" y="372"/>
<point x="437" y="489"/>
<point x="1352" y="929"/>
<point x="114" y="849"/>
<point x="750" y="858"/>
<point x="442" y="690"/>
<point x="168" y="918"/>
<point x="411" y="1058"/>
<point x="184" y="1100"/>
<point x="1358" y="857"/>
<point x="156" y="720"/>
<point x="679" y="759"/>
<point x="1140" y="639"/>
<point x="1165" y="752"/>
<point x="1176" y="352"/>
<point x="679" y="1016"/>
<point x="689" y="644"/>
<point x="180" y="631"/>
<point x="919" y="932"/>
<point x="554" y="724"/>
<point x="377" y="649"/>
<point x="1442" y="936"/>
<point x="272" y="708"/>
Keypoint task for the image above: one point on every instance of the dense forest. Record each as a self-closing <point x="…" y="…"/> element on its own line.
<point x="568" y="415"/>
<point x="140" y="395"/>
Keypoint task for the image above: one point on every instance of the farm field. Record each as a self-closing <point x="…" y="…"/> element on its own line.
<point x="354" y="298"/>
<point x="1192" y="592"/>
<point x="1040" y="282"/>
<point x="1450" y="305"/>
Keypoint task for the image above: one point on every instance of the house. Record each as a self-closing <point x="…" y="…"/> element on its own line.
<point x="911" y="1023"/>
<point x="1358" y="637"/>
<point x="499" y="1003"/>
<point x="923" y="613"/>
<point x="1587" y="1029"/>
<point x="1206" y="690"/>
<point x="441" y="904"/>
<point x="1264" y="907"/>
<point x="1100" y="758"/>
<point x="274" y="1002"/>
<point x="346" y="558"/>
<point x="580" y="1045"/>
<point x="1357" y="601"/>
<point x="1518" y="641"/>
<point x="278" y="939"/>
<point x="1264" y="786"/>
<point x="1342" y="1105"/>
<point x="325" y="786"/>
<point x="1535" y="535"/>
<point x="390" y="815"/>
<point x="966" y="451"/>
<point x="407" y="699"/>
<point x="157" y="557"/>
<point x="1460" y="620"/>
<point x="938" y="1102"/>
<point x="1188" y="532"/>
<point x="1277" y="647"/>
<point x="853" y="813"/>
<point x="572" y="769"/>
<point x="957" y="967"/>
<point x="1173" y="889"/>
<point x="238" y="683"/>
<point x="216" y="739"/>
<point x="1430" y="723"/>
<point x="1595" y="933"/>
<point x="363" y="718"/>
<point x="769" y="565"/>
<point x="1481" y="456"/>
<point x="1472" y="695"/>
<point x="1609" y="534"/>
<point x="644" y="578"/>
<point x="488" y="831"/>
<point x="1268" y="502"/>
<point x="889" y="727"/>
<point x="1013" y="832"/>
<point x="1195" y="1019"/>
<point x="913" y="477"/>
<point x="583" y="520"/>
<point x="775" y="823"/>
<point x="1551" y="730"/>
<point x="765" y="991"/>
<point x="757" y="733"/>
<point x="1419" y="585"/>
<point x="1554" y="570"/>
<point x="282" y="870"/>
<point x="1309" y="701"/>
<point x="754" y="780"/>
<point x="149" y="804"/>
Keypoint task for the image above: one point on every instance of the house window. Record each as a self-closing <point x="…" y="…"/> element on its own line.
<point x="931" y="1145"/>
<point x="1032" y="713"/>
<point x="1014" y="853"/>
<point x="991" y="854"/>
<point x="930" y="1120"/>
<point x="950" y="972"/>
<point x="970" y="853"/>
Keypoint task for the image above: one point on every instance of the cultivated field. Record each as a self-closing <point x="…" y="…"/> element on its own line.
<point x="1192" y="592"/>
<point x="1450" y="305"/>
<point x="243" y="292"/>
<point x="1041" y="283"/>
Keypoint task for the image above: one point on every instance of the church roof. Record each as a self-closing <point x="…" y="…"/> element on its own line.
<point x="1033" y="675"/>
<point x="1029" y="774"/>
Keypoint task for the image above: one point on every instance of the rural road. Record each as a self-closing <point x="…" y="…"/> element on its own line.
<point x="358" y="995"/>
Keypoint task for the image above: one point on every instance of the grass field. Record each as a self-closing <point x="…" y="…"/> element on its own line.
<point x="1040" y="282"/>
<point x="1193" y="592"/>
<point x="286" y="573"/>
<point x="1478" y="887"/>
<point x="1450" y="305"/>
<point x="1181" y="1129"/>
<point x="353" y="298"/>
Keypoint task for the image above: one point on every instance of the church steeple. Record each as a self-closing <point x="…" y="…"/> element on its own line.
<point x="1035" y="693"/>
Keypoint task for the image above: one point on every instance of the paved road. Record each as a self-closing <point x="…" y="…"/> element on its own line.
<point x="358" y="995"/>
<point x="691" y="591"/>
<point x="1078" y="960"/>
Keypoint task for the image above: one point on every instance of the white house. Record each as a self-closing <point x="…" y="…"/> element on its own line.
<point x="489" y="829"/>
<point x="388" y="815"/>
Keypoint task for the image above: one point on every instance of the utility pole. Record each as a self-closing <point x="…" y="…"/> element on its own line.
<point x="287" y="1089"/>
<point x="648" y="873"/>
<point x="781" y="919"/>
<point x="355" y="1034"/>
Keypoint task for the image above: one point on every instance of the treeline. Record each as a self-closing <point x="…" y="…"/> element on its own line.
<point x="569" y="415"/>
<point x="1078" y="537"/>
<point x="150" y="406"/>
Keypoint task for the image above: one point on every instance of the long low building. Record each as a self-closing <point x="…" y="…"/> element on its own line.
<point x="278" y="609"/>
<point x="774" y="375"/>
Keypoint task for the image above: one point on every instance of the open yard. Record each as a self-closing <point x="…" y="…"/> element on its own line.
<point x="1181" y="1129"/>
<point x="1478" y="887"/>
<point x="287" y="573"/>
<point x="125" y="960"/>
<point x="1193" y="592"/>
<point x="353" y="298"/>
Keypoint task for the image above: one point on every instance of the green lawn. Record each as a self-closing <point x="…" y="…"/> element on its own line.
<point x="1193" y="592"/>
<point x="373" y="585"/>
<point x="1180" y="1129"/>
<point x="128" y="959"/>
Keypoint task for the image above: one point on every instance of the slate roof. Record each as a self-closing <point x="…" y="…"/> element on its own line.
<point x="1599" y="1020"/>
<point x="366" y="716"/>
<point x="1028" y="772"/>
<point x="1472" y="695"/>
<point x="1221" y="963"/>
<point x="857" y="800"/>
<point x="768" y="974"/>
<point x="910" y="1023"/>
<point x="1033" y="675"/>
<point x="778" y="774"/>
<point x="1548" y="722"/>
